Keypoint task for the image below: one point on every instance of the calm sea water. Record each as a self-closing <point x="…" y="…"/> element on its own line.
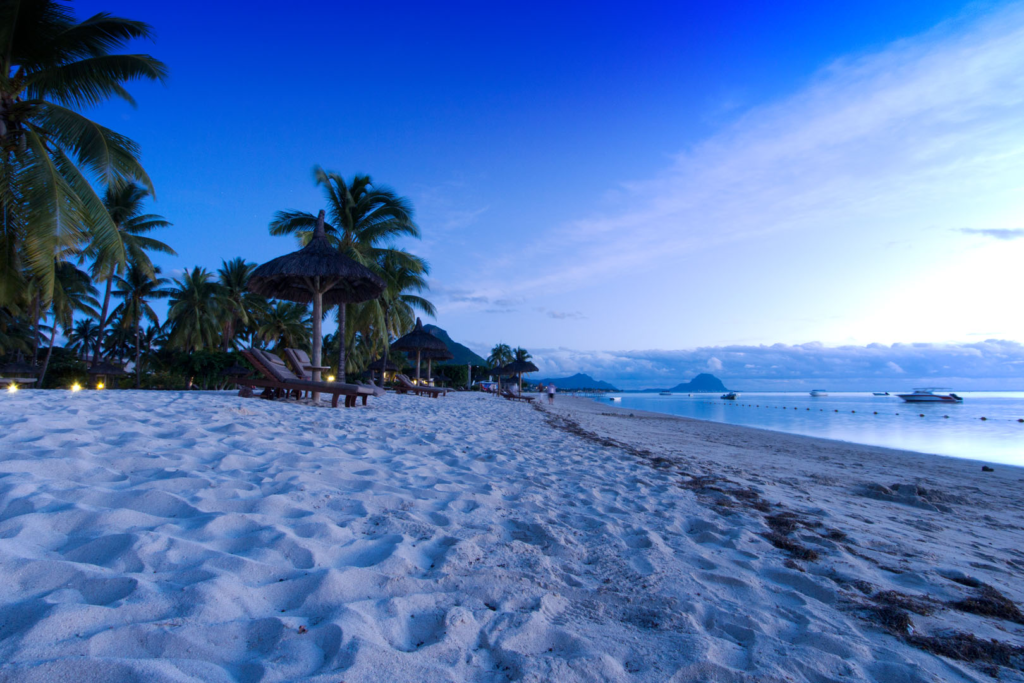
<point x="950" y="429"/>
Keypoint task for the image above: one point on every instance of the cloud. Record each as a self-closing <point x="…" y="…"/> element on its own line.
<point x="919" y="134"/>
<point x="566" y="315"/>
<point x="996" y="233"/>
<point x="714" y="365"/>
<point x="560" y="315"/>
<point x="991" y="364"/>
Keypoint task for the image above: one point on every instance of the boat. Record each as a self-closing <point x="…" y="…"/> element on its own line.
<point x="614" y="398"/>
<point x="819" y="392"/>
<point x="665" y="393"/>
<point x="880" y="393"/>
<point x="731" y="396"/>
<point x="929" y="396"/>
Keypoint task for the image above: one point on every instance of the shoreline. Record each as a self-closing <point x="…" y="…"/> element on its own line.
<point x="191" y="535"/>
<point x="728" y="425"/>
<point x="979" y="460"/>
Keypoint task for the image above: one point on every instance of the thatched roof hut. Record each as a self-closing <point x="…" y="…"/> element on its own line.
<point x="419" y="340"/>
<point x="320" y="274"/>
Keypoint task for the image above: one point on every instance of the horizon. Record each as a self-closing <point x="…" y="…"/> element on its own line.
<point x="692" y="179"/>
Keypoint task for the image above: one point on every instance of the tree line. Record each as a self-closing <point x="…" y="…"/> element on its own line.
<point x="77" y="239"/>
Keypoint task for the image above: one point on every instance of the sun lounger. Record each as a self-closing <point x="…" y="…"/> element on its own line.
<point x="4" y="381"/>
<point x="278" y="380"/>
<point x="301" y="363"/>
<point x="515" y="397"/>
<point x="303" y="367"/>
<point x="405" y="385"/>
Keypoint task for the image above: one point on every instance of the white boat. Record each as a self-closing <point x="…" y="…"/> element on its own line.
<point x="731" y="396"/>
<point x="819" y="392"/>
<point x="614" y="398"/>
<point x="929" y="396"/>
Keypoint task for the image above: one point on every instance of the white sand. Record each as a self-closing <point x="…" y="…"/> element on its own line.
<point x="160" y="536"/>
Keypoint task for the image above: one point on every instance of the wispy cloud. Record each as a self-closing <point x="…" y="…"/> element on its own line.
<point x="996" y="233"/>
<point x="987" y="364"/>
<point x="922" y="134"/>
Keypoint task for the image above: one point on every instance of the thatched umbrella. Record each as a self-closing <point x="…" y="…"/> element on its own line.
<point x="382" y="365"/>
<point x="419" y="340"/>
<point x="19" y="367"/>
<point x="430" y="355"/>
<point x="498" y="372"/>
<point x="518" y="367"/>
<point x="101" y="371"/>
<point x="319" y="273"/>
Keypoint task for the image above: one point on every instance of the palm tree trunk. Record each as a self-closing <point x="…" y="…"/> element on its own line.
<point x="35" y="334"/>
<point x="418" y="353"/>
<point x="138" y="353"/>
<point x="341" y="342"/>
<point x="318" y="314"/>
<point x="49" y="352"/>
<point x="387" y="347"/>
<point x="103" y="318"/>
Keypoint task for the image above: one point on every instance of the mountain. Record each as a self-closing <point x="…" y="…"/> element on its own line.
<point x="577" y="381"/>
<point x="701" y="383"/>
<point x="462" y="354"/>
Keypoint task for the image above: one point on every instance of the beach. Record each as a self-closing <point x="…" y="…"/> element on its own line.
<point x="180" y="536"/>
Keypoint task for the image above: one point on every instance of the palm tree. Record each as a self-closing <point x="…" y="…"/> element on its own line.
<point x="521" y="354"/>
<point x="51" y="66"/>
<point x="117" y="339"/>
<point x="73" y="292"/>
<point x="404" y="274"/>
<point x="124" y="202"/>
<point x="362" y="216"/>
<point x="286" y="324"/>
<point x="501" y="354"/>
<point x="195" y="310"/>
<point x="14" y="332"/>
<point x="82" y="337"/>
<point x="241" y="305"/>
<point x="137" y="289"/>
<point x="149" y="338"/>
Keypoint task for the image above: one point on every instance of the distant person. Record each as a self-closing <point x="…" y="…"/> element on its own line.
<point x="551" y="393"/>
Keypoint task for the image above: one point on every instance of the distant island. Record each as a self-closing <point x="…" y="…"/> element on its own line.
<point x="577" y="382"/>
<point x="702" y="383"/>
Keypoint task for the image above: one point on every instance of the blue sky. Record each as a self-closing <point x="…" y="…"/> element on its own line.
<point x="675" y="178"/>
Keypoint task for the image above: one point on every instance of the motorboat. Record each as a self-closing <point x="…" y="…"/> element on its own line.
<point x="818" y="392"/>
<point x="731" y="396"/>
<point x="929" y="396"/>
<point x="614" y="398"/>
<point x="880" y="393"/>
<point x="665" y="393"/>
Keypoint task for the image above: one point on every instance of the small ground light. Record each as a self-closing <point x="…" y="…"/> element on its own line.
<point x="12" y="387"/>
<point x="76" y="387"/>
<point x="330" y="378"/>
<point x="99" y="385"/>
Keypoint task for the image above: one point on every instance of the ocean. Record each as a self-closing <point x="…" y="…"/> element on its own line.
<point x="956" y="430"/>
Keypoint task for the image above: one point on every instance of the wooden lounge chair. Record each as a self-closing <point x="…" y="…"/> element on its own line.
<point x="405" y="385"/>
<point x="303" y="367"/>
<point x="515" y="397"/>
<point x="20" y="381"/>
<point x="278" y="381"/>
